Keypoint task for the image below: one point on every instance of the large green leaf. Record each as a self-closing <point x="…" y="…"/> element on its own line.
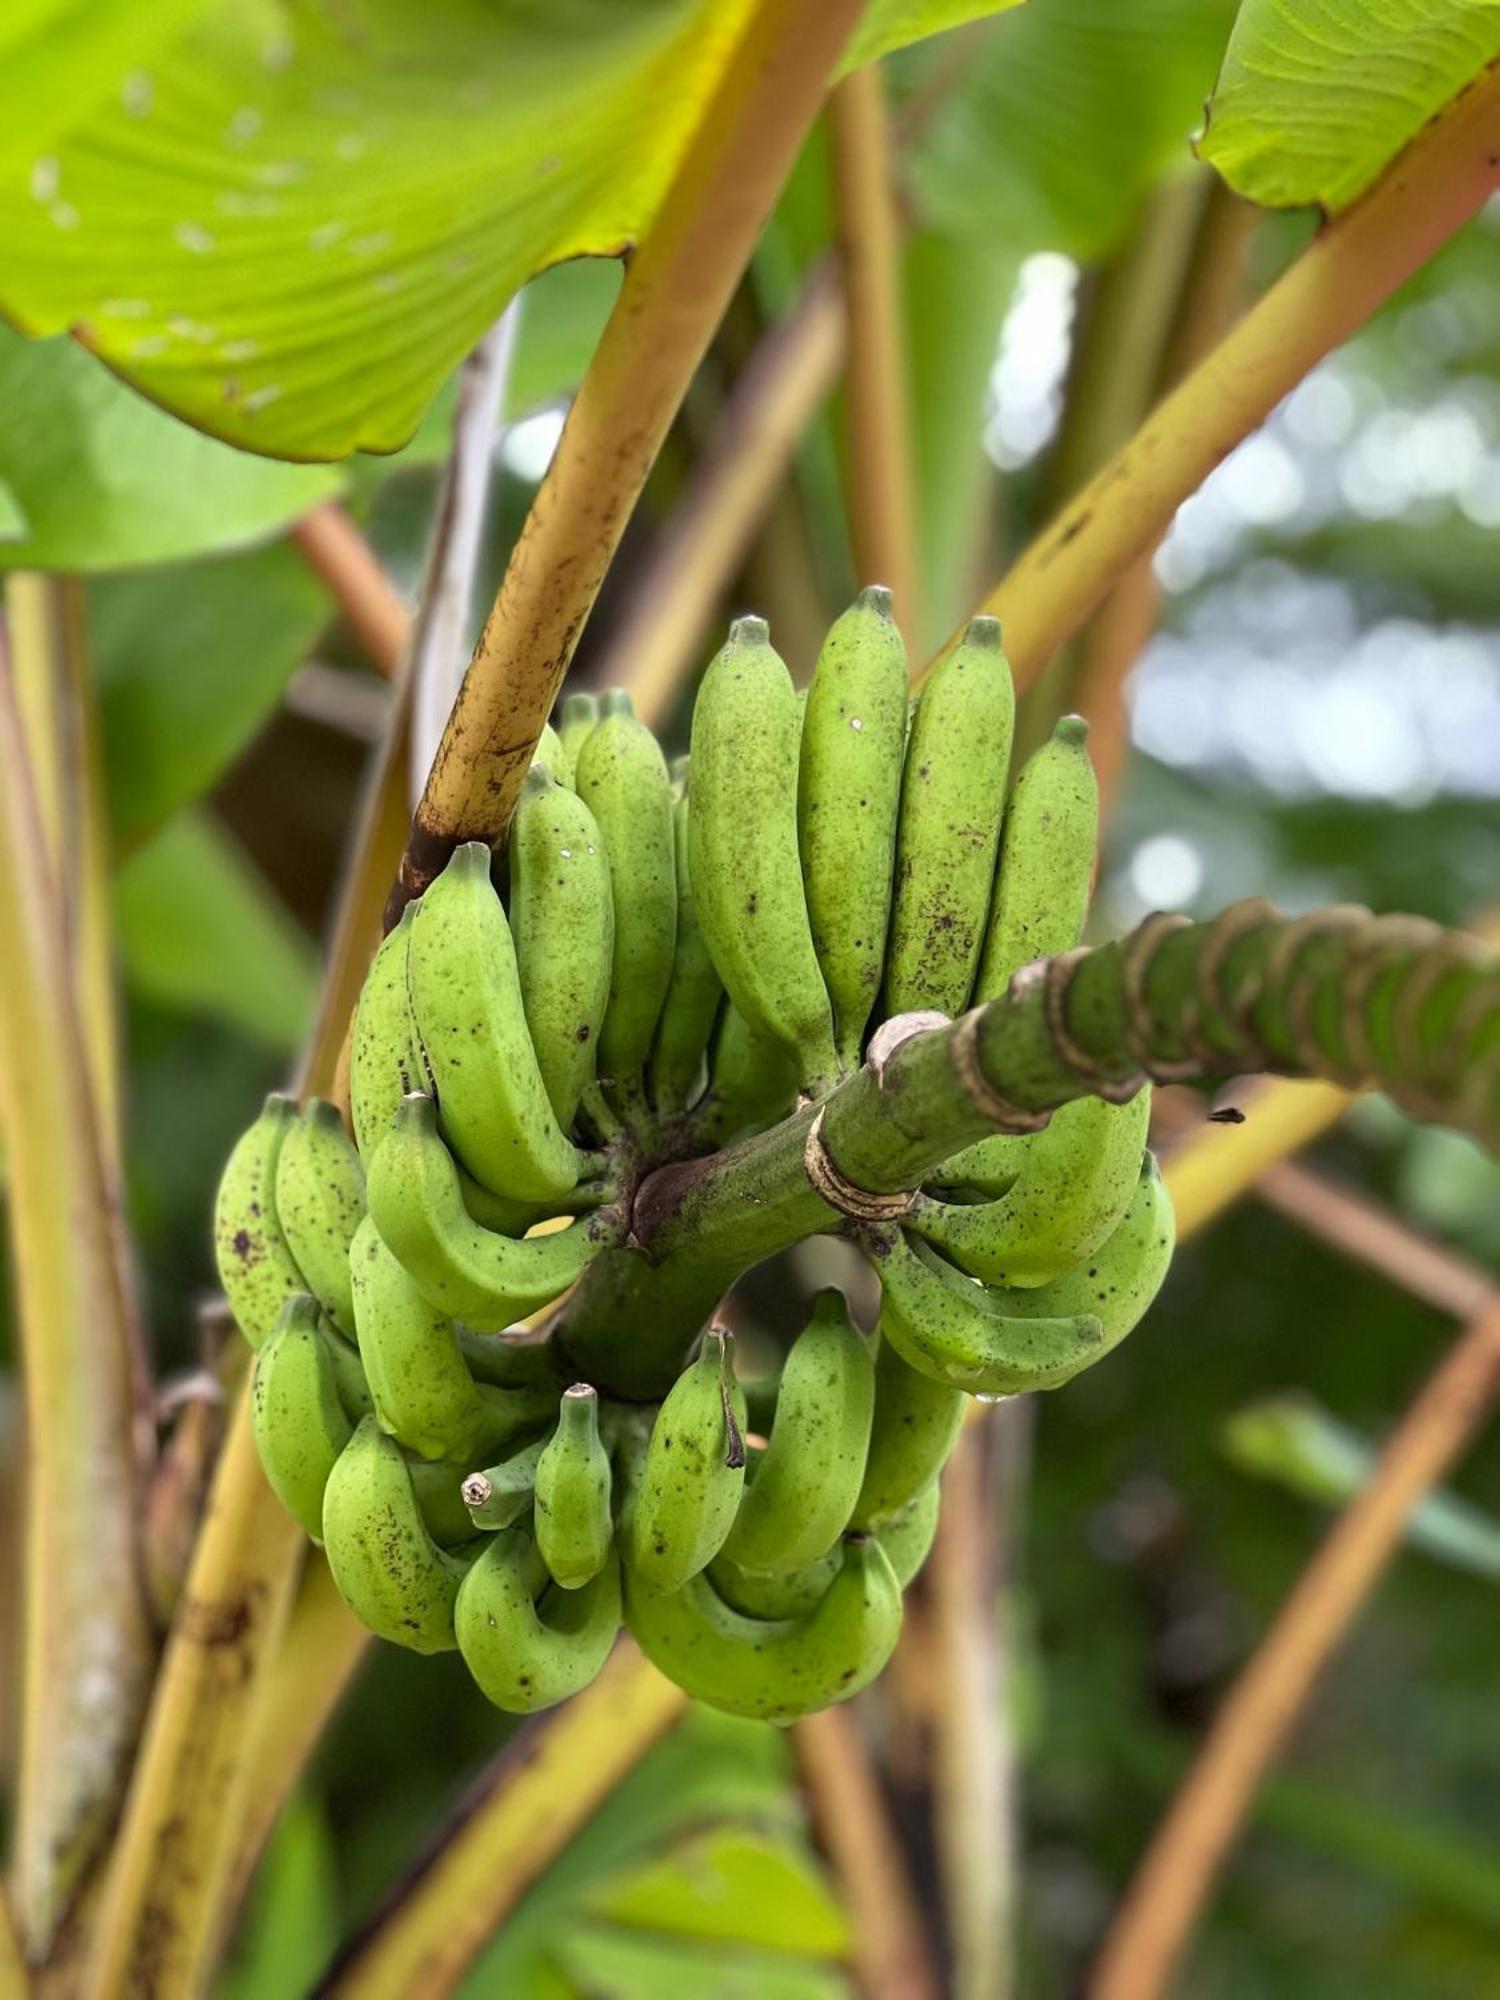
<point x="300" y="218"/>
<point x="1315" y="98"/>
<point x="190" y="662"/>
<point x="59" y="57"/>
<point x="200" y="933"/>
<point x="103" y="480"/>
<point x="1067" y="113"/>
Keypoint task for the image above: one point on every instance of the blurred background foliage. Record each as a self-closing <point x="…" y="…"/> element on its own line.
<point x="1317" y="718"/>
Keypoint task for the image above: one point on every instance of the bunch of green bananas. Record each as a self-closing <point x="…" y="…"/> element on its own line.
<point x="677" y="958"/>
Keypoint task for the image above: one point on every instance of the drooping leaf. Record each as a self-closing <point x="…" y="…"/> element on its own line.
<point x="1314" y="99"/>
<point x="298" y="221"/>
<point x="190" y="662"/>
<point x="106" y="481"/>
<point x="200" y="933"/>
<point x="1065" y="116"/>
<point x="730" y="1884"/>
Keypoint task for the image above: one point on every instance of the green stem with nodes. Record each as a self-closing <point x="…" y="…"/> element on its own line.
<point x="1396" y="1002"/>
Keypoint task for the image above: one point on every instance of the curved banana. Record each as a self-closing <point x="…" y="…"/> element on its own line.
<point x="573" y="1524"/>
<point x="747" y="873"/>
<point x="848" y="799"/>
<point x="499" y="1495"/>
<point x="529" y="1646"/>
<point x="952" y="801"/>
<point x="689" y="1487"/>
<point x="385" y="1053"/>
<point x="472" y="1273"/>
<point x="385" y="1564"/>
<point x="1047" y="854"/>
<point x="255" y="1263"/>
<point x="998" y="1342"/>
<point x="948" y="1326"/>
<point x="320" y="1202"/>
<point x="438" y="1486"/>
<point x="622" y="778"/>
<point x="424" y="1394"/>
<point x="802" y="1491"/>
<point x="773" y="1669"/>
<point x="349" y="1373"/>
<point x="693" y="993"/>
<point x="1076" y="1180"/>
<point x="577" y="715"/>
<point x="916" y="1425"/>
<point x="296" y="1412"/>
<point x="552" y="754"/>
<point x="562" y="921"/>
<point x="752" y="1082"/>
<point x="907" y="1538"/>
<point x="466" y="995"/>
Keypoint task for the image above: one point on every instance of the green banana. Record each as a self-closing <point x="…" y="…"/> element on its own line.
<point x="508" y="1360"/>
<point x="693" y="993"/>
<point x="385" y="1564"/>
<point x="848" y="799"/>
<point x="996" y="1342"/>
<point x="475" y="1274"/>
<point x="578" y="714"/>
<point x="499" y="1495"/>
<point x="573" y="1524"/>
<point x="772" y="1669"/>
<point x="424" y="1394"/>
<point x="747" y="874"/>
<point x="916" y="1425"/>
<point x="752" y="1082"/>
<point x="551" y="753"/>
<point x="385" y="1053"/>
<point x="466" y="996"/>
<point x="622" y="778"/>
<point x="952" y="800"/>
<point x="438" y="1485"/>
<point x="296" y="1413"/>
<point x="562" y="921"/>
<point x="906" y="1538"/>
<point x="1047" y="853"/>
<point x="801" y="1492"/>
<point x="349" y="1373"/>
<point x="320" y="1202"/>
<point x="1076" y="1180"/>
<point x="529" y="1646"/>
<point x="255" y="1263"/>
<point x="693" y="1475"/>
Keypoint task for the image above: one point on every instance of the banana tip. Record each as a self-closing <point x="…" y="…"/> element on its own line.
<point x="875" y="597"/>
<point x="750" y="631"/>
<point x="983" y="631"/>
<point x="1071" y="729"/>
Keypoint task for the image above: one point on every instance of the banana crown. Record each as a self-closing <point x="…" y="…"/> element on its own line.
<point x="664" y="960"/>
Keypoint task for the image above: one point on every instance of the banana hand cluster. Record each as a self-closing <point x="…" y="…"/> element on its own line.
<point x="667" y="960"/>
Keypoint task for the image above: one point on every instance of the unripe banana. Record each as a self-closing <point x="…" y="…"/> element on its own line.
<point x="772" y="1669"/>
<point x="1076" y="1180"/>
<point x="562" y="921"/>
<point x="848" y="798"/>
<point x="296" y="1412"/>
<point x="1046" y="858"/>
<point x="512" y="1360"/>
<point x="424" y="1394"/>
<point x="349" y="1373"/>
<point x="916" y="1426"/>
<point x="463" y="1269"/>
<point x="438" y="1486"/>
<point x="622" y="777"/>
<point x="802" y="1491"/>
<point x="320" y="1202"/>
<point x="694" y="1471"/>
<point x="752" y="1082"/>
<point x="578" y="714"/>
<point x="256" y="1266"/>
<point x="906" y="1538"/>
<point x="694" y="992"/>
<point x="950" y="1327"/>
<point x="529" y="1646"/>
<point x="952" y="800"/>
<point x="747" y="873"/>
<point x="551" y="752"/>
<point x="573" y="1524"/>
<point x="499" y="1495"/>
<point x="996" y="1342"/>
<point x="385" y="1564"/>
<point x="466" y="995"/>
